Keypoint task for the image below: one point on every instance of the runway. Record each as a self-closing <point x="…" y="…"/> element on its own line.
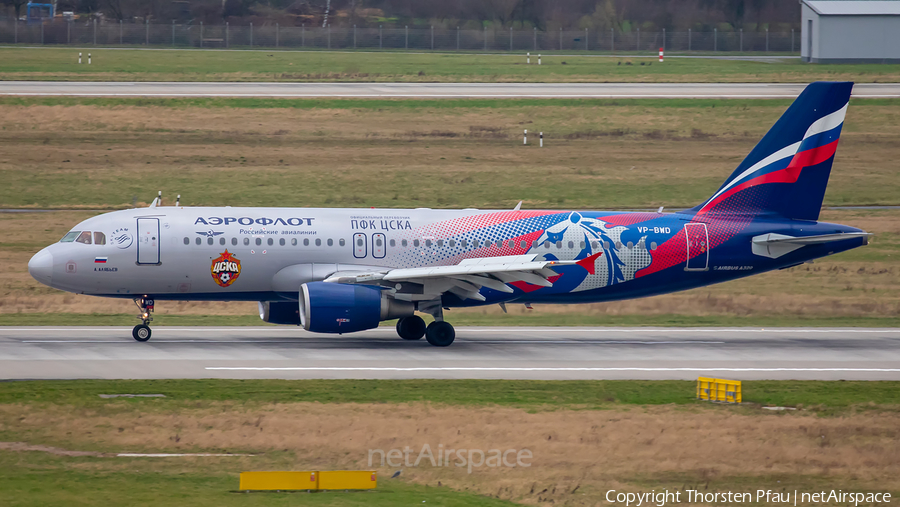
<point x="479" y="352"/>
<point x="430" y="90"/>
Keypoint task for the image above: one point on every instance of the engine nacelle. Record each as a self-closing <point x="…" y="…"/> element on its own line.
<point x="343" y="308"/>
<point x="279" y="312"/>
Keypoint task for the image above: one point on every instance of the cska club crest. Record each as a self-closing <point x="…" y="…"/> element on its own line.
<point x="225" y="269"/>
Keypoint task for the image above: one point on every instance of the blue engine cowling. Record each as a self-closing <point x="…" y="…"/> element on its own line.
<point x="343" y="308"/>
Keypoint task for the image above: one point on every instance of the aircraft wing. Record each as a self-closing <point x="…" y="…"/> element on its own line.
<point x="464" y="279"/>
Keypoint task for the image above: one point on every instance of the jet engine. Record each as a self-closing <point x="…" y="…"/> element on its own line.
<point x="343" y="308"/>
<point x="279" y="312"/>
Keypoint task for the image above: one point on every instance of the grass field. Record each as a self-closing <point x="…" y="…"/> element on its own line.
<point x="90" y="154"/>
<point x="585" y="437"/>
<point x="192" y="65"/>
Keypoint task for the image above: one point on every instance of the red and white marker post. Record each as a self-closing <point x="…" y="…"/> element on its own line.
<point x="660" y="54"/>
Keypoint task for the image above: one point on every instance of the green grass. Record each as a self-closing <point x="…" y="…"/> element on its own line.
<point x="529" y="394"/>
<point x="462" y="317"/>
<point x="39" y="479"/>
<point x="267" y="65"/>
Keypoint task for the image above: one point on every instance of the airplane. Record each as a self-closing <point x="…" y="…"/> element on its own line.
<point x="347" y="270"/>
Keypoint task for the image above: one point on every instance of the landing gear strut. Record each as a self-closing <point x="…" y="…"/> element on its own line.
<point x="141" y="332"/>
<point x="411" y="328"/>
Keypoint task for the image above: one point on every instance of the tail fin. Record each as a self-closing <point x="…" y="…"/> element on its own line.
<point x="786" y="173"/>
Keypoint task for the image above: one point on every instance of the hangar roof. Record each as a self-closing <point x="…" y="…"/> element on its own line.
<point x="854" y="7"/>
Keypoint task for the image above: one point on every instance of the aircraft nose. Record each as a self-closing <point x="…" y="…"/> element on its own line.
<point x="41" y="266"/>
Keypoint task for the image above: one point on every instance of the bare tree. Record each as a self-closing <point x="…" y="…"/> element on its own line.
<point x="17" y="4"/>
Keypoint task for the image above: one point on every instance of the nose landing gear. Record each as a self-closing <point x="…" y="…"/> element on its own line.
<point x="141" y="332"/>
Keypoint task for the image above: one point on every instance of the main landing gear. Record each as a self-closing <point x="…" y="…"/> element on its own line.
<point x="438" y="333"/>
<point x="141" y="332"/>
<point x="411" y="328"/>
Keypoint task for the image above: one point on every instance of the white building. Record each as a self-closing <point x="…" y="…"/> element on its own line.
<point x="850" y="31"/>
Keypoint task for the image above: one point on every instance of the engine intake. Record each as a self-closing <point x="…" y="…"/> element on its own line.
<point x="343" y="308"/>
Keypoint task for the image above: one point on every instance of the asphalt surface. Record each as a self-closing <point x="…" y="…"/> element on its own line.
<point x="486" y="352"/>
<point x="430" y="90"/>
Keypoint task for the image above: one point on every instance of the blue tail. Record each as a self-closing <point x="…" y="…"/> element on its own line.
<point x="786" y="173"/>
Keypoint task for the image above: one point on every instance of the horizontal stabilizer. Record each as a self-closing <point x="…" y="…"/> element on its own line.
<point x="775" y="245"/>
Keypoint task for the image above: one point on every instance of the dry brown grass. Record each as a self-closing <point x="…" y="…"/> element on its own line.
<point x="591" y="450"/>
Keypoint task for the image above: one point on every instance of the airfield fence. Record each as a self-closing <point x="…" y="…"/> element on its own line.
<point x="119" y="34"/>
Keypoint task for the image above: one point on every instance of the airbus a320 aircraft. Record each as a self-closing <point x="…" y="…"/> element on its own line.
<point x="346" y="270"/>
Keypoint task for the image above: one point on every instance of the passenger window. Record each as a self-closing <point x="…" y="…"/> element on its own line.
<point x="653" y="246"/>
<point x="197" y="241"/>
<point x="342" y="242"/>
<point x="85" y="238"/>
<point x="475" y="243"/>
<point x="606" y="245"/>
<point x="187" y="240"/>
<point x="416" y="243"/>
<point x="464" y="243"/>
<point x="209" y="241"/>
<point x="546" y="244"/>
<point x="523" y="244"/>
<point x="293" y="241"/>
<point x="270" y="241"/>
<point x="452" y="243"/>
<point x="221" y="241"/>
<point x="99" y="238"/>
<point x="618" y="245"/>
<point x="404" y="243"/>
<point x="318" y="242"/>
<point x="512" y="244"/>
<point x="70" y="237"/>
<point x="281" y="241"/>
<point x="630" y="244"/>
<point x="559" y="244"/>
<point x="427" y="243"/>
<point x="377" y="242"/>
<point x="359" y="242"/>
<point x="234" y="241"/>
<point x="581" y="245"/>
<point x="246" y="241"/>
<point x="393" y="243"/>
<point x="499" y="243"/>
<point x="330" y="242"/>
<point x="571" y="244"/>
<point x="305" y="241"/>
<point x="258" y="241"/>
<point x="595" y="245"/>
<point x="440" y="243"/>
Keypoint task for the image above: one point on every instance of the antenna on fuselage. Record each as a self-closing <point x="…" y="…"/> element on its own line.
<point x="157" y="201"/>
<point x="659" y="211"/>
<point x="518" y="206"/>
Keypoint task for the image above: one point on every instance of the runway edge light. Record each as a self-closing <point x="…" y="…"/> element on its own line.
<point x="719" y="390"/>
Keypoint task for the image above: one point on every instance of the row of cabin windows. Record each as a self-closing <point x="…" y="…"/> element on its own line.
<point x="259" y="241"/>
<point x="85" y="237"/>
<point x="416" y="243"/>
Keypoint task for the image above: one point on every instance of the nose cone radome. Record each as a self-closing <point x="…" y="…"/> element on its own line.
<point x="41" y="266"/>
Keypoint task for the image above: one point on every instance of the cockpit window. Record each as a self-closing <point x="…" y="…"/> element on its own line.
<point x="99" y="238"/>
<point x="70" y="237"/>
<point x="85" y="238"/>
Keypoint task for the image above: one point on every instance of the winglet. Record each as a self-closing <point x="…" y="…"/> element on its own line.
<point x="588" y="263"/>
